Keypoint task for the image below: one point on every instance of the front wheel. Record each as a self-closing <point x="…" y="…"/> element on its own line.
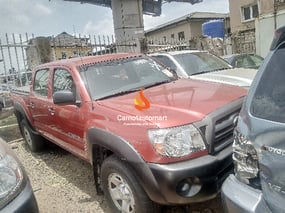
<point x="122" y="189"/>
<point x="34" y="141"/>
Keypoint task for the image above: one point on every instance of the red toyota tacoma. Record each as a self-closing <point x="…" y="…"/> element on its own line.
<point x="151" y="138"/>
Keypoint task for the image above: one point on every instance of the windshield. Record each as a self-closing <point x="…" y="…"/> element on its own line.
<point x="200" y="62"/>
<point x="121" y="76"/>
<point x="269" y="98"/>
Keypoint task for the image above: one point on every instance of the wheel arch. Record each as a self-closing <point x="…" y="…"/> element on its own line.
<point x="21" y="114"/>
<point x="102" y="138"/>
<point x="101" y="145"/>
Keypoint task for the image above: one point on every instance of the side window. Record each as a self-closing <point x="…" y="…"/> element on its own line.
<point x="62" y="80"/>
<point x="41" y="82"/>
<point x="166" y="61"/>
<point x="269" y="99"/>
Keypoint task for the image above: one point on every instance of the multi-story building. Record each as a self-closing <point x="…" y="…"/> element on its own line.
<point x="242" y="20"/>
<point x="253" y="23"/>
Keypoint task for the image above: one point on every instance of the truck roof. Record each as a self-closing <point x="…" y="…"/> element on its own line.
<point x="81" y="61"/>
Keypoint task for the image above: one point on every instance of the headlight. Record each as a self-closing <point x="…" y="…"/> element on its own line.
<point x="245" y="158"/>
<point x="11" y="176"/>
<point x="177" y="141"/>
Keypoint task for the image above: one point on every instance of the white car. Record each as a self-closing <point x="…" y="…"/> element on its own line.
<point x="205" y="66"/>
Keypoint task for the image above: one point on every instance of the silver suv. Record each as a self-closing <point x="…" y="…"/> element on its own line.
<point x="16" y="194"/>
<point x="203" y="65"/>
<point x="259" y="141"/>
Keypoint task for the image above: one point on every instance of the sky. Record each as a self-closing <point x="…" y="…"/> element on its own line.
<point x="51" y="17"/>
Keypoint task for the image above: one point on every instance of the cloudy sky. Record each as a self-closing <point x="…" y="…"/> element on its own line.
<point x="51" y="17"/>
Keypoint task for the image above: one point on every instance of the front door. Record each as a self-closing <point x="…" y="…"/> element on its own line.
<point x="68" y="120"/>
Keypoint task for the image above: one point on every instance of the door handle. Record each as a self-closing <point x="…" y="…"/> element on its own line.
<point x="51" y="110"/>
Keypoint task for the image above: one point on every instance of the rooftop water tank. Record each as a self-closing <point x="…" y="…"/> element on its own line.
<point x="214" y="28"/>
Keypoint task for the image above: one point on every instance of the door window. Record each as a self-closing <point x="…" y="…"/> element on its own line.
<point x="62" y="80"/>
<point x="41" y="82"/>
<point x="166" y="61"/>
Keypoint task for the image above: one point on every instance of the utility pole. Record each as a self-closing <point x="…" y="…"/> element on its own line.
<point x="128" y="24"/>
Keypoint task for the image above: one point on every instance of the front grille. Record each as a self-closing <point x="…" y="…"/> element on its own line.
<point x="218" y="126"/>
<point x="223" y="131"/>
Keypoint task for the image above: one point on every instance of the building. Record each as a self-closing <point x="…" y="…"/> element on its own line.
<point x="68" y="46"/>
<point x="272" y="16"/>
<point x="45" y="49"/>
<point x="242" y="20"/>
<point x="253" y="23"/>
<point x="186" y="28"/>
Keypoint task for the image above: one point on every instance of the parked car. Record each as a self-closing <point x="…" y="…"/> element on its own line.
<point x="244" y="60"/>
<point x="150" y="138"/>
<point x="5" y="99"/>
<point x="25" y="78"/>
<point x="203" y="65"/>
<point x="259" y="145"/>
<point x="16" y="194"/>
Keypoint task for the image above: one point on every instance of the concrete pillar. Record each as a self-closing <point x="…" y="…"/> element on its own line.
<point x="128" y="24"/>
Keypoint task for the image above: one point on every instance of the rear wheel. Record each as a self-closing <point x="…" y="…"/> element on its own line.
<point x="122" y="189"/>
<point x="34" y="141"/>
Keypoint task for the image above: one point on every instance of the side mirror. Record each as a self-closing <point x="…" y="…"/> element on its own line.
<point x="173" y="71"/>
<point x="64" y="97"/>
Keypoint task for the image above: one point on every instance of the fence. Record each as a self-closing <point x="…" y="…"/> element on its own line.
<point x="20" y="53"/>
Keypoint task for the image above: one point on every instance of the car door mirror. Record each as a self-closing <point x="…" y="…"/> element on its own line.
<point x="64" y="97"/>
<point x="174" y="73"/>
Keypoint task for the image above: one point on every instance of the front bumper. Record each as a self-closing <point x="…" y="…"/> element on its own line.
<point x="240" y="198"/>
<point x="24" y="202"/>
<point x="190" y="181"/>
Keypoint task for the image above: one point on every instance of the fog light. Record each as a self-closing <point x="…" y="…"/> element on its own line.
<point x="188" y="187"/>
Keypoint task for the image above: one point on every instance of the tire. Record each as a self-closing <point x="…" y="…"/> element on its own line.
<point x="122" y="189"/>
<point x="34" y="141"/>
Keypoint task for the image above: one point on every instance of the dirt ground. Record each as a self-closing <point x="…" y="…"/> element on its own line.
<point x="63" y="183"/>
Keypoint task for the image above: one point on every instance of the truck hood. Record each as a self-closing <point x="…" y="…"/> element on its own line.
<point x="236" y="76"/>
<point x="182" y="101"/>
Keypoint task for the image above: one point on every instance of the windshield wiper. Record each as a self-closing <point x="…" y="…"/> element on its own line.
<point x="119" y="93"/>
<point x="208" y="71"/>
<point x="133" y="90"/>
<point x="157" y="83"/>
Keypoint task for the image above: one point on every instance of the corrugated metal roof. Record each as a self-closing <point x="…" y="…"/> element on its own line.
<point x="190" y="17"/>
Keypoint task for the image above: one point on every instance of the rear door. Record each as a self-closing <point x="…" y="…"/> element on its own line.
<point x="40" y="100"/>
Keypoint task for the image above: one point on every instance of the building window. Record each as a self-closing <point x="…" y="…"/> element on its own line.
<point x="181" y="36"/>
<point x="172" y="36"/>
<point x="63" y="55"/>
<point x="249" y="12"/>
<point x="255" y="11"/>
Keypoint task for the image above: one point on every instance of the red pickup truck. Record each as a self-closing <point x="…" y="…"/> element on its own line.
<point x="151" y="138"/>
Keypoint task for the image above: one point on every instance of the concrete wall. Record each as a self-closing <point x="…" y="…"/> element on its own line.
<point x="267" y="6"/>
<point x="265" y="31"/>
<point x="128" y="23"/>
